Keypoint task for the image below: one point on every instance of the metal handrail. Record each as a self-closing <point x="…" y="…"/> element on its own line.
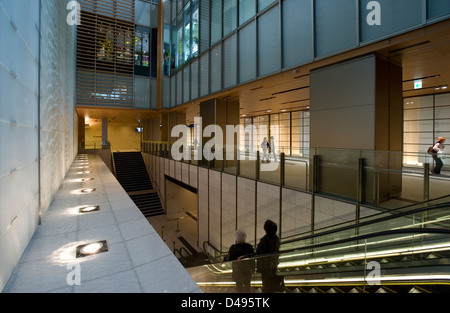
<point x="395" y="214"/>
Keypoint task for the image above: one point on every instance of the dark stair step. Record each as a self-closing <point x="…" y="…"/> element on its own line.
<point x="132" y="174"/>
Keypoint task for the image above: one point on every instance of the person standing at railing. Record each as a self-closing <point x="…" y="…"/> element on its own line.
<point x="242" y="269"/>
<point x="267" y="265"/>
<point x="438" y="155"/>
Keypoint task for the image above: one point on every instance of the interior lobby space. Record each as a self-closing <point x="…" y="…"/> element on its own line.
<point x="137" y="137"/>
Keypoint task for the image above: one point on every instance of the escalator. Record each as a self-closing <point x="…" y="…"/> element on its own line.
<point x="404" y="251"/>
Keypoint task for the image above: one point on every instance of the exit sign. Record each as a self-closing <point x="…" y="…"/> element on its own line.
<point x="417" y="84"/>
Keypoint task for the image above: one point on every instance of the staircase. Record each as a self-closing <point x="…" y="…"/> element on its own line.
<point x="131" y="172"/>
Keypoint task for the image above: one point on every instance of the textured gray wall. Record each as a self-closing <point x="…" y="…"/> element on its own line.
<point x="20" y="184"/>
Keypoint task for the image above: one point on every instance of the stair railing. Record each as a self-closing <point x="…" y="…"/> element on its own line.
<point x="113" y="164"/>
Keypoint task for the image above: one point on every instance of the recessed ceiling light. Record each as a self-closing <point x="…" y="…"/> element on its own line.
<point x="87" y="190"/>
<point x="444" y="87"/>
<point x="91" y="248"/>
<point x="89" y="208"/>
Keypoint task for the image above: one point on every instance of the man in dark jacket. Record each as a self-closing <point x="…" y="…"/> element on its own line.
<point x="267" y="265"/>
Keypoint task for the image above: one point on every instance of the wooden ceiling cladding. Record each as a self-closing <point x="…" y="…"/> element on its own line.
<point x="105" y="53"/>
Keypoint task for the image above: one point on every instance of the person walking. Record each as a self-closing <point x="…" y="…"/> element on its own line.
<point x="242" y="269"/>
<point x="438" y="155"/>
<point x="265" y="146"/>
<point x="272" y="147"/>
<point x="267" y="265"/>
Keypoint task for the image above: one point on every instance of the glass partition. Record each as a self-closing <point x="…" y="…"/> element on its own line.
<point x="367" y="263"/>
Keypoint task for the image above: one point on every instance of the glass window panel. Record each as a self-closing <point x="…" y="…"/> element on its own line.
<point x="230" y="61"/>
<point x="247" y="10"/>
<point x="247" y="53"/>
<point x="297" y="32"/>
<point x="142" y="51"/>
<point x="194" y="79"/>
<point x="442" y="99"/>
<point x="167" y="12"/>
<point x="186" y="86"/>
<point x="216" y="21"/>
<point x="395" y="16"/>
<point x="142" y="15"/>
<point x="195" y="31"/>
<point x="204" y="25"/>
<point x="174" y="47"/>
<point x="442" y="126"/>
<point x="229" y="16"/>
<point x="418" y="102"/>
<point x="216" y="69"/>
<point x="437" y="8"/>
<point x="179" y="34"/>
<point x="269" y="51"/>
<point x="262" y="4"/>
<point x="335" y="26"/>
<point x="179" y="88"/>
<point x="179" y="5"/>
<point x="187" y="34"/>
<point x="154" y="16"/>
<point x="441" y="112"/>
<point x="166" y="93"/>
<point x="166" y="50"/>
<point x="285" y="133"/>
<point x="418" y="126"/>
<point x="174" y="9"/>
<point x="204" y="74"/>
<point x="173" y="89"/>
<point x="425" y="119"/>
<point x="418" y="114"/>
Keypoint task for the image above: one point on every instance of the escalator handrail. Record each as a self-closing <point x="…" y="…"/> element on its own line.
<point x="381" y="219"/>
<point x="357" y="238"/>
<point x="340" y="241"/>
<point x="410" y="207"/>
<point x="353" y="226"/>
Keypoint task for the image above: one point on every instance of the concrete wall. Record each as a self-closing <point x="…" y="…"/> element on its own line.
<point x="37" y="118"/>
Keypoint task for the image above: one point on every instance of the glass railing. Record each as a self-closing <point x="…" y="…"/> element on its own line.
<point x="352" y="227"/>
<point x="96" y="145"/>
<point x="374" y="178"/>
<point x="391" y="258"/>
<point x="436" y="216"/>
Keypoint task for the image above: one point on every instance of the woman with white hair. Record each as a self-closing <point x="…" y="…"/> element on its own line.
<point x="242" y="269"/>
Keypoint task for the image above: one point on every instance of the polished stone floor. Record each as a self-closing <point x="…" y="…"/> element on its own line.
<point x="136" y="261"/>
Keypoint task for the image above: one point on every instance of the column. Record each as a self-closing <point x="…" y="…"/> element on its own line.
<point x="356" y="112"/>
<point x="220" y="112"/>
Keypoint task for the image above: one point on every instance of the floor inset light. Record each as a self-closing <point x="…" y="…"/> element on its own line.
<point x="90" y="208"/>
<point x="87" y="190"/>
<point x="86" y="172"/>
<point x="86" y="179"/>
<point x="92" y="248"/>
